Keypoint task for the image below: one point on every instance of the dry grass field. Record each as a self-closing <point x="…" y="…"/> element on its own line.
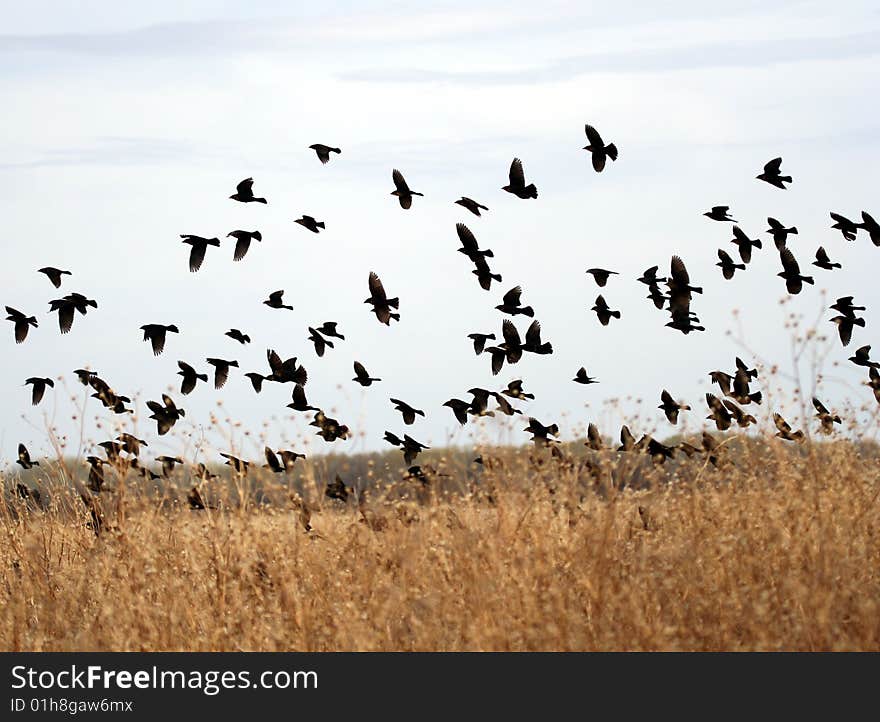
<point x="776" y="550"/>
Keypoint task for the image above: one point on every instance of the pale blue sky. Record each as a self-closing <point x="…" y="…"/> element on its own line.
<point x="126" y="126"/>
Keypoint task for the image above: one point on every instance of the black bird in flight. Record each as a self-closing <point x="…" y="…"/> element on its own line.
<point x="285" y="371"/>
<point x="862" y="357"/>
<point x="597" y="148"/>
<point x="256" y="380"/>
<point x="459" y="408"/>
<point x="39" y="387"/>
<point x="330" y="429"/>
<point x="199" y="248"/>
<point x="55" y="274"/>
<point x="581" y="377"/>
<point x="336" y="489"/>
<point x="594" y="438"/>
<point x="504" y="406"/>
<point x="719" y="413"/>
<point x="168" y="464"/>
<point x="479" y="340"/>
<point x="299" y="402"/>
<point x="771" y="174"/>
<point x="871" y="226"/>
<point x="221" y="370"/>
<point x="791" y="272"/>
<point x="402" y="190"/>
<point x="323" y="151"/>
<point x="671" y="407"/>
<point x="649" y="277"/>
<point x="190" y="377"/>
<point x="274" y="301"/>
<point x="843" y="224"/>
<point x="517" y="184"/>
<point x="239" y="466"/>
<point x="67" y="305"/>
<point x="779" y="232"/>
<point x="165" y="414"/>
<point x="826" y="418"/>
<point x="243" y="242"/>
<point x="22" y="323"/>
<point x="310" y="223"/>
<point x="328" y="328"/>
<point x="744" y="244"/>
<point x="845" y="326"/>
<point x="533" y="342"/>
<point x="844" y="305"/>
<point x="742" y="418"/>
<point x="541" y="434"/>
<point x="515" y="391"/>
<point x="822" y="260"/>
<point x="380" y="302"/>
<point x="469" y="245"/>
<point x="155" y="334"/>
<point x="728" y="267"/>
<point x="512" y="346"/>
<point x="361" y="375"/>
<point x="784" y="429"/>
<point x="131" y="444"/>
<point x="237" y="335"/>
<point x="510" y="303"/>
<point x="603" y="311"/>
<point x="273" y="463"/>
<point x="319" y="341"/>
<point x="600" y="275"/>
<point x="244" y="192"/>
<point x="408" y="412"/>
<point x="484" y="273"/>
<point x="471" y="205"/>
<point x="719" y="213"/>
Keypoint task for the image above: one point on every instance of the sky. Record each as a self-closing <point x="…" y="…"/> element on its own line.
<point x="127" y="125"/>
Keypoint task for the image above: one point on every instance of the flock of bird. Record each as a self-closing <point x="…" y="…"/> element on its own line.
<point x="673" y="294"/>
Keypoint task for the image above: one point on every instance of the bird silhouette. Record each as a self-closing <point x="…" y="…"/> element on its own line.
<point x="510" y="303"/>
<point x="469" y="245"/>
<point x="256" y="380"/>
<point x="533" y="342"/>
<point x="845" y="326"/>
<point x="600" y="275"/>
<point x="402" y="190"/>
<point x="742" y="418"/>
<point x="237" y="335"/>
<point x="274" y="301"/>
<point x="718" y="412"/>
<point x="479" y="340"/>
<point x="243" y="242"/>
<point x="39" y="388"/>
<point x="66" y="307"/>
<point x="221" y="370"/>
<point x="484" y="274"/>
<point x="24" y="458"/>
<point x="239" y="466"/>
<point x="822" y="260"/>
<point x="779" y="232"/>
<point x="244" y="192"/>
<point x="598" y="150"/>
<point x="791" y="272"/>
<point x="843" y="224"/>
<point x="871" y="226"/>
<point x="155" y="334"/>
<point x="517" y="184"/>
<point x="299" y="402"/>
<point x="380" y="302"/>
<point x="323" y="151"/>
<point x="603" y="311"/>
<point x="784" y="429"/>
<point x="581" y="377"/>
<point x="198" y="250"/>
<point x="55" y="274"/>
<point x="165" y="414"/>
<point x="310" y="223"/>
<point x="671" y="407"/>
<point x="330" y="429"/>
<point x="471" y="205"/>
<point x="361" y="375"/>
<point x="728" y="267"/>
<point x="336" y="489"/>
<point x="328" y="328"/>
<point x="22" y="323"/>
<point x="862" y="357"/>
<point x="190" y="377"/>
<point x="719" y="213"/>
<point x="287" y="371"/>
<point x="771" y="174"/>
<point x="826" y="418"/>
<point x="744" y="244"/>
<point x="408" y="412"/>
<point x="319" y="341"/>
<point x="460" y="409"/>
<point x="515" y="391"/>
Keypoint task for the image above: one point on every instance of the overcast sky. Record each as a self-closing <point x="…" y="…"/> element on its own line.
<point x="127" y="125"/>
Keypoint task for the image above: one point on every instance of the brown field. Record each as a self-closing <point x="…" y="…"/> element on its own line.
<point x="777" y="551"/>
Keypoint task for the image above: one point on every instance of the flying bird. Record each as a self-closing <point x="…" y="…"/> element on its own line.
<point x="862" y="357"/>
<point x="67" y="305"/>
<point x="165" y="414"/>
<point x="744" y="244"/>
<point x="603" y="311"/>
<point x="826" y="418"/>
<point x="871" y="226"/>
<point x="771" y="174"/>
<point x="402" y="190"/>
<point x="155" y="334"/>
<point x="719" y="213"/>
<point x="361" y="375"/>
<point x="243" y="242"/>
<point x="39" y="388"/>
<point x="779" y="232"/>
<point x="510" y="303"/>
<point x="671" y="407"/>
<point x="471" y="205"/>
<point x="460" y="409"/>
<point x="600" y="275"/>
<point x="598" y="150"/>
<point x="843" y="224"/>
<point x="484" y="274"/>
<point x="517" y="184"/>
<point x="239" y="466"/>
<point x="190" y="377"/>
<point x="244" y="192"/>
<point x="845" y="326"/>
<point x="221" y="370"/>
<point x="199" y="248"/>
<point x="408" y="412"/>
<point x="728" y="267"/>
<point x="328" y="328"/>
<point x="581" y="377"/>
<point x="822" y="260"/>
<point x="22" y="323"/>
<point x="319" y="341"/>
<point x="237" y="335"/>
<point x="469" y="245"/>
<point x="284" y="372"/>
<point x="515" y="391"/>
<point x="784" y="429"/>
<point x="380" y="302"/>
<point x="256" y="380"/>
<point x="323" y="151"/>
<point x="791" y="272"/>
<point x="479" y="340"/>
<point x="310" y="223"/>
<point x="533" y="342"/>
<point x="274" y="301"/>
<point x="55" y="274"/>
<point x="299" y="402"/>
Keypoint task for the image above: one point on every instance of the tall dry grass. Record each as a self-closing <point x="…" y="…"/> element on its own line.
<point x="776" y="551"/>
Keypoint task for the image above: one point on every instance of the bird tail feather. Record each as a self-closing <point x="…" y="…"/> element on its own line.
<point x="611" y="150"/>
